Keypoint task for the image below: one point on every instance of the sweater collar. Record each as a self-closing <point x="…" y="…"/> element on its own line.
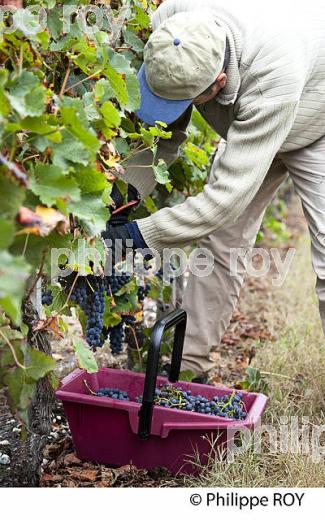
<point x="229" y="93"/>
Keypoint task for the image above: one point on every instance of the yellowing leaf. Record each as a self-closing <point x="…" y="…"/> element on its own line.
<point x="42" y="221"/>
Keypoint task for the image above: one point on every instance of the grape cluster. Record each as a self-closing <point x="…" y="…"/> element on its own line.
<point x="129" y="320"/>
<point x="114" y="393"/>
<point x="89" y="293"/>
<point x="116" y="338"/>
<point x="47" y="297"/>
<point x="94" y="312"/>
<point x="230" y="406"/>
<point x="79" y="293"/>
<point x="115" y="282"/>
<point x="141" y="293"/>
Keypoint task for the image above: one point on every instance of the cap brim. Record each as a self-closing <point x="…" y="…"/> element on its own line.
<point x="154" y="108"/>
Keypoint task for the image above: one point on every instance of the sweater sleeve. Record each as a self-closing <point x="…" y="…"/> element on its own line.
<point x="253" y="140"/>
<point x="137" y="172"/>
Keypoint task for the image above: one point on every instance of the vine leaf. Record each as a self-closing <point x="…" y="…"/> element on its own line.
<point x="161" y="172"/>
<point x="14" y="272"/>
<point x="50" y="184"/>
<point x="27" y="95"/>
<point x="42" y="221"/>
<point x="85" y="357"/>
<point x="40" y="364"/>
<point x="112" y="118"/>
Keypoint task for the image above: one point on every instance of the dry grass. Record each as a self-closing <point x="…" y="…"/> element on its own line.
<point x="296" y="388"/>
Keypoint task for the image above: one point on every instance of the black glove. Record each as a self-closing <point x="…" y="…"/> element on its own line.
<point x="124" y="239"/>
<point x="120" y="210"/>
<point x="120" y="242"/>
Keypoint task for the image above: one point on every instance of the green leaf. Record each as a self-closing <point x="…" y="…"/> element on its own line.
<point x="118" y="84"/>
<point x="11" y="197"/>
<point x="40" y="126"/>
<point x="70" y="151"/>
<point x="133" y="89"/>
<point x="92" y="213"/>
<point x="161" y="172"/>
<point x="39" y="364"/>
<point x="150" y="205"/>
<point x="85" y="357"/>
<point x="111" y="319"/>
<point x="59" y="299"/>
<point x="20" y="392"/>
<point x="14" y="272"/>
<point x="119" y="63"/>
<point x="50" y="184"/>
<point x="132" y="39"/>
<point x="27" y="95"/>
<point x="7" y="230"/>
<point x="91" y="180"/>
<point x="4" y="104"/>
<point x="186" y="375"/>
<point x="196" y="155"/>
<point x="72" y="121"/>
<point x="128" y="288"/>
<point x="141" y="18"/>
<point x="4" y="74"/>
<point x="54" y="22"/>
<point x="103" y="90"/>
<point x="111" y="115"/>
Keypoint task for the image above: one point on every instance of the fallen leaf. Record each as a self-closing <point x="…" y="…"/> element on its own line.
<point x="52" y="478"/>
<point x="87" y="475"/>
<point x="124" y="470"/>
<point x="71" y="460"/>
<point x="69" y="483"/>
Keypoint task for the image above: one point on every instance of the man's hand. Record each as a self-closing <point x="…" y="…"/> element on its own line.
<point x="118" y="240"/>
<point x="122" y="240"/>
<point x="120" y="210"/>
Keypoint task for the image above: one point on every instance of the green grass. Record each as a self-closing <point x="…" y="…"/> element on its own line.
<point x="296" y="361"/>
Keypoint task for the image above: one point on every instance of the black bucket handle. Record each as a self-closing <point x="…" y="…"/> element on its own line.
<point x="176" y="318"/>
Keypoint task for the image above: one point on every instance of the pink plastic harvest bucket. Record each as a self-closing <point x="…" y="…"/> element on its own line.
<point x="116" y="433"/>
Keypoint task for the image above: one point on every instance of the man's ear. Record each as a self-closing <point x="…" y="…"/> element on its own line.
<point x="222" y="79"/>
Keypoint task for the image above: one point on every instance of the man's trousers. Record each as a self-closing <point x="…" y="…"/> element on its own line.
<point x="210" y="301"/>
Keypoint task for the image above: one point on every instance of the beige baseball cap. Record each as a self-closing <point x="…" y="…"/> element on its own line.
<point x="183" y="56"/>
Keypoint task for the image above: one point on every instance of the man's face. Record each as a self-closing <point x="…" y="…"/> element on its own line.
<point x="219" y="84"/>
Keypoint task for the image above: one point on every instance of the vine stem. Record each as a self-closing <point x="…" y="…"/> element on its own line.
<point x="12" y="351"/>
<point x="25" y="244"/>
<point x="21" y="59"/>
<point x="83" y="80"/>
<point x="39" y="274"/>
<point x="136" y="151"/>
<point x="65" y="81"/>
<point x="68" y="297"/>
<point x="88" y="387"/>
<point x="136" y="343"/>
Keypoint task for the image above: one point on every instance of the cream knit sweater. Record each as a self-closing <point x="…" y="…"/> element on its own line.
<point x="274" y="101"/>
